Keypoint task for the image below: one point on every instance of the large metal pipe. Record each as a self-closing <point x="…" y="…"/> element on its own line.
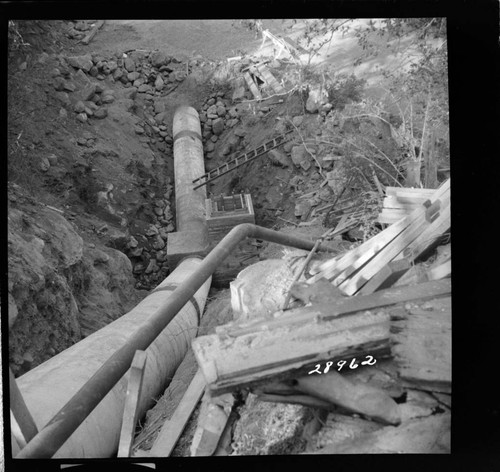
<point x="192" y="232"/>
<point x="48" y="387"/>
<point x="85" y="400"/>
<point x="188" y="165"/>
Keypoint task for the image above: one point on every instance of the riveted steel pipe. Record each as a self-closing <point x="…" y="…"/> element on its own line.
<point x="55" y="433"/>
<point x="48" y="387"/>
<point x="188" y="165"/>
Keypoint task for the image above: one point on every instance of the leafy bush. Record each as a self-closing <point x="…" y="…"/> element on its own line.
<point x="343" y="89"/>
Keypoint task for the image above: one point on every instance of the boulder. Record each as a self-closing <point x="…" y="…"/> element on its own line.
<point x="299" y="155"/>
<point x="101" y="113"/>
<point x="317" y="98"/>
<point x="218" y="126"/>
<point x="279" y="158"/>
<point x="159" y="59"/>
<point x="159" y="83"/>
<point x="86" y="93"/>
<point x="129" y="64"/>
<point x="81" y="62"/>
<point x="81" y="117"/>
<point x="79" y="107"/>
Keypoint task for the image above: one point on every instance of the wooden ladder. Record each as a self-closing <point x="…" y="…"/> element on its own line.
<point x="240" y="160"/>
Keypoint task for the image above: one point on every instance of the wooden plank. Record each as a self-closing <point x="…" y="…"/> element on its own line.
<point x="132" y="400"/>
<point x="270" y="79"/>
<point x="20" y="410"/>
<point x="422" y="348"/>
<point x="361" y="254"/>
<point x="257" y="357"/>
<point x="212" y="421"/>
<point x="252" y="86"/>
<point x="386" y="277"/>
<point x="420" y="232"/>
<point x="394" y="202"/>
<point x="92" y="32"/>
<point x="18" y="437"/>
<point x="409" y="193"/>
<point x="172" y="429"/>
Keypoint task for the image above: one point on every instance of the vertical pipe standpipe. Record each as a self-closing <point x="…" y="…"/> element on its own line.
<point x="48" y="387"/>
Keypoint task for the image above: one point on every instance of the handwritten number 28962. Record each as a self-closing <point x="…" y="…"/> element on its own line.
<point x="352" y="365"/>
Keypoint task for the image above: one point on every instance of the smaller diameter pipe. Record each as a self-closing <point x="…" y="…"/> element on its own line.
<point x="71" y="415"/>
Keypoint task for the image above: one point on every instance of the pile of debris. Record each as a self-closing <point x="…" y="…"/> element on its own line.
<point x="356" y="318"/>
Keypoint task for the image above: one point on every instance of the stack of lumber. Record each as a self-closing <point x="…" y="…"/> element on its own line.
<point x="400" y="202"/>
<point x="407" y="238"/>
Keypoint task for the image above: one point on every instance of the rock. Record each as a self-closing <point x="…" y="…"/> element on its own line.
<point x="129" y="64"/>
<point x="139" y="129"/>
<point x="81" y="117"/>
<point x="63" y="114"/>
<point x="44" y="164"/>
<point x="299" y="155"/>
<point x="152" y="267"/>
<point x="13" y="311"/>
<point x="317" y="97"/>
<point x="297" y="120"/>
<point x="158" y="211"/>
<point x="79" y="107"/>
<point x="240" y="132"/>
<point x="302" y="208"/>
<point x="212" y="110"/>
<point x="210" y="146"/>
<point x="42" y="59"/>
<point x="305" y="164"/>
<point x="218" y="126"/>
<point x="55" y="72"/>
<point x="279" y="158"/>
<point x="107" y="98"/>
<point x="112" y="66"/>
<point x="52" y="158"/>
<point x="158" y="242"/>
<point x="81" y="62"/>
<point x="159" y="83"/>
<point x="139" y="268"/>
<point x="87" y="93"/>
<point x="144" y="88"/>
<point x="94" y="72"/>
<point x="136" y="252"/>
<point x="58" y="83"/>
<point x="131" y="76"/>
<point x="151" y="231"/>
<point x="221" y="110"/>
<point x="132" y="243"/>
<point x="69" y="86"/>
<point x="101" y="113"/>
<point x="159" y="59"/>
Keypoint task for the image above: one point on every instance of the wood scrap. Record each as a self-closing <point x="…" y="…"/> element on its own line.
<point x="418" y="436"/>
<point x="252" y="86"/>
<point x="20" y="410"/>
<point x="132" y="400"/>
<point x="387" y="276"/>
<point x="173" y="428"/>
<point x="212" y="421"/>
<point x="337" y="307"/>
<point x="422" y="348"/>
<point x="92" y="32"/>
<point x="233" y="362"/>
<point x="359" y="398"/>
